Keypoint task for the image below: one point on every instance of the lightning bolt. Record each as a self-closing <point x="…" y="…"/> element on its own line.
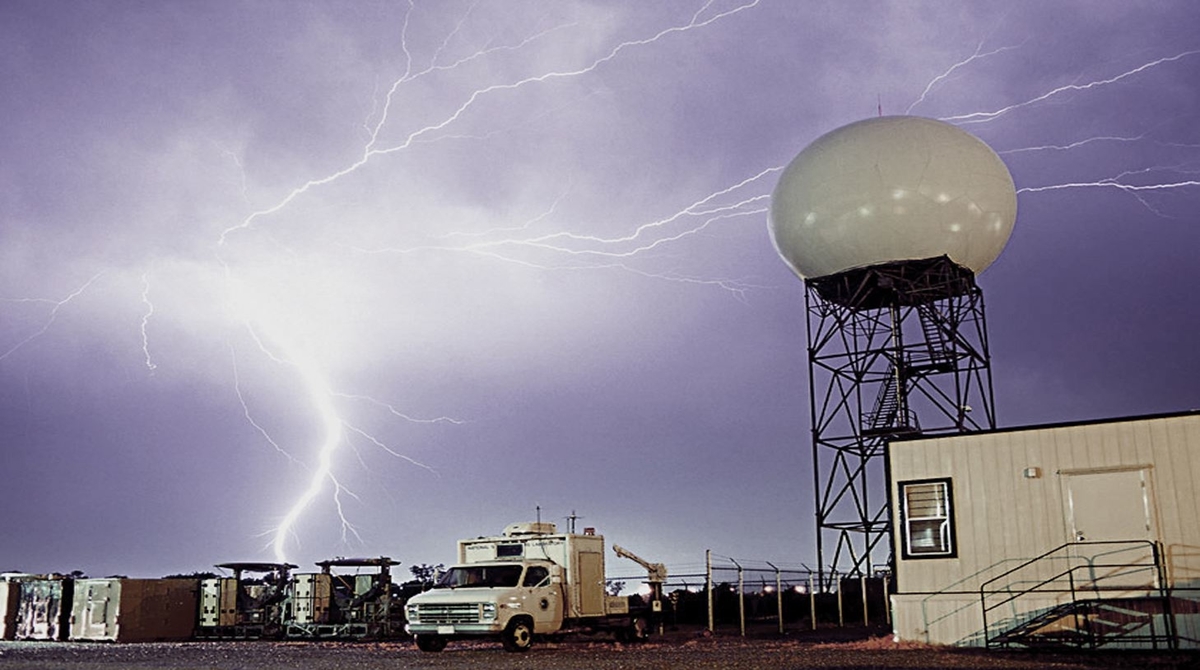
<point x="594" y="252"/>
<point x="1073" y="145"/>
<point x="371" y="151"/>
<point x="983" y="117"/>
<point x="1137" y="191"/>
<point x="1111" y="184"/>
<point x="1118" y="182"/>
<point x="56" y="306"/>
<point x="978" y="55"/>
<point x="334" y="429"/>
<point x="590" y="252"/>
<point x="334" y="432"/>
<point x="237" y="388"/>
<point x="146" y="321"/>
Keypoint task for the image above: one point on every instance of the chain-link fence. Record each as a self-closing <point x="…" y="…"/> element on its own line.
<point x="758" y="596"/>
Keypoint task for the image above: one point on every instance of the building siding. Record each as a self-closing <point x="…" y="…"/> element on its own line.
<point x="1003" y="518"/>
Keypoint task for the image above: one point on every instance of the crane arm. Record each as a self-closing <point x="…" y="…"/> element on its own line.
<point x="656" y="572"/>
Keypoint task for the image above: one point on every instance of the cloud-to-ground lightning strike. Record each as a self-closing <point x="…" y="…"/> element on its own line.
<point x="334" y="432"/>
<point x="334" y="427"/>
<point x="320" y="391"/>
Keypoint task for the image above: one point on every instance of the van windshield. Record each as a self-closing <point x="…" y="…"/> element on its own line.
<point x="480" y="576"/>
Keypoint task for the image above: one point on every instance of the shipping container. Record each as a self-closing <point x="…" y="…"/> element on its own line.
<point x="44" y="608"/>
<point x="10" y="600"/>
<point x="134" y="610"/>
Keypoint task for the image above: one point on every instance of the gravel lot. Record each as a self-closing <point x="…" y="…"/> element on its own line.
<point x="690" y="652"/>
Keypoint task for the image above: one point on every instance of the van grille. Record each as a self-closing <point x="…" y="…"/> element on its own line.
<point x="453" y="613"/>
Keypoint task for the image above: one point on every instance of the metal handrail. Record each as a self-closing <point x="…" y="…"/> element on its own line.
<point x="1151" y="543"/>
<point x="1155" y="555"/>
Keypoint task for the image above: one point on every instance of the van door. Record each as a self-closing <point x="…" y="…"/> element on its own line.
<point x="542" y="597"/>
<point x="591" y="584"/>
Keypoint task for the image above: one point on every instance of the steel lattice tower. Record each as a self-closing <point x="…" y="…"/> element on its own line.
<point x="894" y="349"/>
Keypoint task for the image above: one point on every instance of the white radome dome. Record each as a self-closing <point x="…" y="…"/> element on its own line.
<point x="892" y="188"/>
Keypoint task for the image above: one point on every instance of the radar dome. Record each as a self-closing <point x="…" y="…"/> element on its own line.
<point x="892" y="188"/>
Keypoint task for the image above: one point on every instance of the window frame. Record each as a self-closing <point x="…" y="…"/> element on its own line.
<point x="906" y="533"/>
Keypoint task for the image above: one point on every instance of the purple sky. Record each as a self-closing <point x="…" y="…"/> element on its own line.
<point x="516" y="254"/>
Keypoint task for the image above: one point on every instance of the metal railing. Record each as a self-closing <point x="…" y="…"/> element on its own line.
<point x="1089" y="585"/>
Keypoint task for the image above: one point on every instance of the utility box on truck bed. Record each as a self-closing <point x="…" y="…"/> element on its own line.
<point x="580" y="556"/>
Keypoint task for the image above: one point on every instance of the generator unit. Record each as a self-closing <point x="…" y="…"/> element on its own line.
<point x="349" y="598"/>
<point x="245" y="607"/>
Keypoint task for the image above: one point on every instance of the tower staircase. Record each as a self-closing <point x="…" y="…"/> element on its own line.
<point x="934" y="353"/>
<point x="937" y="353"/>
<point x="889" y="416"/>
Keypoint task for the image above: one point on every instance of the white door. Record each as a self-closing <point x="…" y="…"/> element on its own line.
<point x="1106" y="510"/>
<point x="1109" y="506"/>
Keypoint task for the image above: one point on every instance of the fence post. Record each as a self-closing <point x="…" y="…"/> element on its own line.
<point x="812" y="602"/>
<point x="841" y="612"/>
<point x="741" y="598"/>
<point x="708" y="586"/>
<point x="887" y="601"/>
<point x="866" y="616"/>
<point x="778" y="597"/>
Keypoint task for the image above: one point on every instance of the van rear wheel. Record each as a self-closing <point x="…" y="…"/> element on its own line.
<point x="639" y="630"/>
<point x="518" y="636"/>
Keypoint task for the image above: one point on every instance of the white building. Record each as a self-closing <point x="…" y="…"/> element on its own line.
<point x="1081" y="534"/>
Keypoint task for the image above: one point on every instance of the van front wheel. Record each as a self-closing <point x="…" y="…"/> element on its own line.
<point x="518" y="636"/>
<point x="431" y="642"/>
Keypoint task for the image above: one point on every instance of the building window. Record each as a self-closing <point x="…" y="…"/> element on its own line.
<point x="926" y="517"/>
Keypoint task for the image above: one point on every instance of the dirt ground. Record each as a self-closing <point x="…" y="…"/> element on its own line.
<point x="690" y="651"/>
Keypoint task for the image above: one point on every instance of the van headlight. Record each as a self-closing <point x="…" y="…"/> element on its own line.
<point x="412" y="613"/>
<point x="487" y="612"/>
